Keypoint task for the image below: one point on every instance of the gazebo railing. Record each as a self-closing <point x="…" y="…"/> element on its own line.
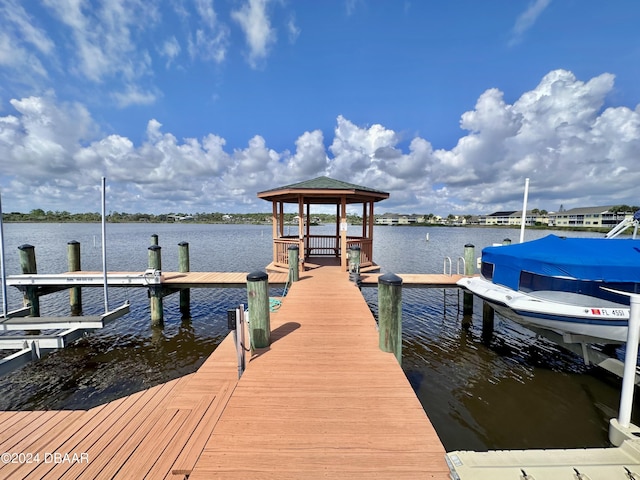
<point x="366" y="249"/>
<point x="322" y="245"/>
<point x="282" y="250"/>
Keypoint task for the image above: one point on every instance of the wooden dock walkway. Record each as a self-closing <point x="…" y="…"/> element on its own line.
<point x="322" y="401"/>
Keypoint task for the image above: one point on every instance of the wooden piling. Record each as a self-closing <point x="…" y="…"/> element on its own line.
<point x="73" y="263"/>
<point x="28" y="265"/>
<point x="390" y="314"/>
<point x="469" y="259"/>
<point x="354" y="264"/>
<point x="155" y="291"/>
<point x="154" y="239"/>
<point x="469" y="269"/>
<point x="183" y="267"/>
<point x="258" y="302"/>
<point x="488" y="314"/>
<point x="294" y="267"/>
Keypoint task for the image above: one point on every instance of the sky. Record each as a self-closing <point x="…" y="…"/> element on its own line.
<point x="190" y="106"/>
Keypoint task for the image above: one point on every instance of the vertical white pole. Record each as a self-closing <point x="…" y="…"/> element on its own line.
<point x="630" y="363"/>
<point x="104" y="246"/>
<point x="524" y="209"/>
<point x="4" y="273"/>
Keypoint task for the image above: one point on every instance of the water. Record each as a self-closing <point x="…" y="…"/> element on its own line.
<point x="512" y="391"/>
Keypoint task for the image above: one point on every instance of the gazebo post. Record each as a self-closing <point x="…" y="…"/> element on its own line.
<point x="274" y="227"/>
<point x="301" y="238"/>
<point x="371" y="221"/>
<point x="343" y="233"/>
<point x="365" y="220"/>
<point x="337" y="239"/>
<point x="308" y="220"/>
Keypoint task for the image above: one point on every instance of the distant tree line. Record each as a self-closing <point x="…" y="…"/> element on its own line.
<point x="39" y="215"/>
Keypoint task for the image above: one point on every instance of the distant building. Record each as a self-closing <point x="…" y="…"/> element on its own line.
<point x="497" y="218"/>
<point x="398" y="219"/>
<point x="513" y="218"/>
<point x="589" y="217"/>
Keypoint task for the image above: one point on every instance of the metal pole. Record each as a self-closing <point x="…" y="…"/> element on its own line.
<point x="240" y="341"/>
<point x="524" y="209"/>
<point x="4" y="274"/>
<point x="630" y="363"/>
<point x="104" y="246"/>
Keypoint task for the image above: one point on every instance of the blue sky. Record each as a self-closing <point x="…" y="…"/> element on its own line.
<point x="195" y="106"/>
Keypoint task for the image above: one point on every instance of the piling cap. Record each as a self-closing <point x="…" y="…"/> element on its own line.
<point x="73" y="242"/>
<point x="469" y="245"/>
<point x="183" y="244"/>
<point x="294" y="247"/>
<point x="25" y="246"/>
<point x="155" y="247"/>
<point x="354" y="247"/>
<point x="257" y="276"/>
<point x="390" y="279"/>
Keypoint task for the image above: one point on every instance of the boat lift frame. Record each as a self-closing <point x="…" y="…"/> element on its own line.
<point x="67" y="329"/>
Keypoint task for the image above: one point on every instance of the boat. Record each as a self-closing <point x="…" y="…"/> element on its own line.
<point x="571" y="286"/>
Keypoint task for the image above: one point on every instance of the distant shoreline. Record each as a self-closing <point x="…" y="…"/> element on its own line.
<point x="265" y="222"/>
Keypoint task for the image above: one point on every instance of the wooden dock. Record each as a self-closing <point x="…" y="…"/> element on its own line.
<point x="322" y="401"/>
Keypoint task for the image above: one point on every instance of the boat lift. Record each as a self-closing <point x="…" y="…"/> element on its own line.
<point x="622" y="461"/>
<point x="67" y="329"/>
<point x="624" y="224"/>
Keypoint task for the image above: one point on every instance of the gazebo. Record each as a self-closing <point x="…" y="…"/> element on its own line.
<point x="322" y="191"/>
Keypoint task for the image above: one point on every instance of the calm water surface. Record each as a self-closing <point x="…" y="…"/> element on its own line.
<point x="510" y="391"/>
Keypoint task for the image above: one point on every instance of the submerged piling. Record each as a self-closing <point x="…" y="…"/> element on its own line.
<point x="73" y="264"/>
<point x="488" y="314"/>
<point x="390" y="314"/>
<point x="469" y="269"/>
<point x="183" y="267"/>
<point x="28" y="265"/>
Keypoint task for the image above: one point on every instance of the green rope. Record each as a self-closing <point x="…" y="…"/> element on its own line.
<point x="274" y="303"/>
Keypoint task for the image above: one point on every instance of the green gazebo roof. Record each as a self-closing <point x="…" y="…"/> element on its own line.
<point x="323" y="190"/>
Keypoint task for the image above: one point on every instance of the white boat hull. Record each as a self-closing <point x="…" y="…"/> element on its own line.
<point x="587" y="316"/>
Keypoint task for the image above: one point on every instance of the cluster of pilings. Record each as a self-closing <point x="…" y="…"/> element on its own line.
<point x="488" y="313"/>
<point x="389" y="293"/>
<point x="389" y="303"/>
<point x="158" y="292"/>
<point x="31" y="294"/>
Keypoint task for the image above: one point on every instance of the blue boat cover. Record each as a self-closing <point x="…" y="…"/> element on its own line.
<point x="595" y="259"/>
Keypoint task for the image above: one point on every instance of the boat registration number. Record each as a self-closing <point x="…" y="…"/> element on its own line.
<point x="609" y="312"/>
